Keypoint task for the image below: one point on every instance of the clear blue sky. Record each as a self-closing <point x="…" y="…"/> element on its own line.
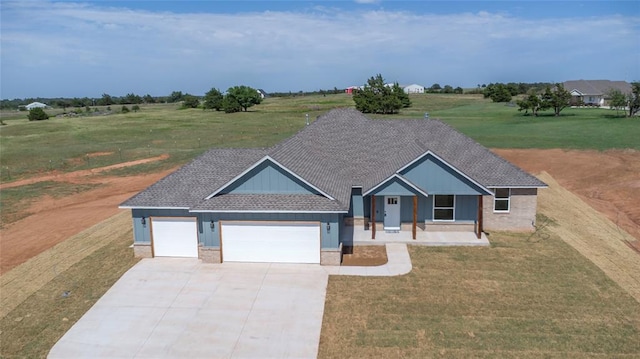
<point x="87" y="48"/>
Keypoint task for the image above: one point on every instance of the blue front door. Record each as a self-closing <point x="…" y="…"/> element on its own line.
<point x="391" y="213"/>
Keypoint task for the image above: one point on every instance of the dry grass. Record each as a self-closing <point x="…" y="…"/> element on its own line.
<point x="36" y="313"/>
<point x="523" y="297"/>
<point x="24" y="280"/>
<point x="591" y="234"/>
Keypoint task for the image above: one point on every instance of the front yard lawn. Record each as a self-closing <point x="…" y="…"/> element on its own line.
<point x="523" y="297"/>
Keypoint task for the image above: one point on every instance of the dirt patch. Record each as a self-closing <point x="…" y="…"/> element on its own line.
<point x="53" y="220"/>
<point x="608" y="181"/>
<point x="79" y="176"/>
<point x="98" y="154"/>
<point x="591" y="234"/>
<point x="364" y="256"/>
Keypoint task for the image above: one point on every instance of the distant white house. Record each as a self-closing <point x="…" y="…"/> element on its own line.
<point x="594" y="92"/>
<point x="33" y="105"/>
<point x="413" y="88"/>
<point x="262" y="93"/>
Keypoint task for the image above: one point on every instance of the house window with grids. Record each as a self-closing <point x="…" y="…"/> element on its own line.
<point x="502" y="200"/>
<point x="444" y="207"/>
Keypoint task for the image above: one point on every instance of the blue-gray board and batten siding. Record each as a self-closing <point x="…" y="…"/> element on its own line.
<point x="209" y="237"/>
<point x="432" y="176"/>
<point x="436" y="177"/>
<point x="466" y="208"/>
<point x="269" y="178"/>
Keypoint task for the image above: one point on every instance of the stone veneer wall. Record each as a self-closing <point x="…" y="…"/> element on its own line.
<point x="331" y="257"/>
<point x="522" y="214"/>
<point x="209" y="255"/>
<point x="142" y="250"/>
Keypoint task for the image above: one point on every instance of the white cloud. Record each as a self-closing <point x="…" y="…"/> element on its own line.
<point x="123" y="50"/>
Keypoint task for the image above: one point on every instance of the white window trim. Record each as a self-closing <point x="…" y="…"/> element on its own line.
<point x="433" y="208"/>
<point x="508" y="199"/>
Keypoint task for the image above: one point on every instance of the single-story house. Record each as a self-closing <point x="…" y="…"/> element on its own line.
<point x="294" y="202"/>
<point x="594" y="92"/>
<point x="33" y="105"/>
<point x="413" y="88"/>
<point x="263" y="94"/>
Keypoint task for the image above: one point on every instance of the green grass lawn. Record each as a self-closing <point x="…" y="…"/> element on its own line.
<point x="29" y="148"/>
<point x="518" y="298"/>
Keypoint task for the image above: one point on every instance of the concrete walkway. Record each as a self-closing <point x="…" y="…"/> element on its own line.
<point x="398" y="263"/>
<point x="182" y="308"/>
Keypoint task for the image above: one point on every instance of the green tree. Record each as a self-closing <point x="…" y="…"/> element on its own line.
<point x="148" y="99"/>
<point x="435" y="88"/>
<point x="64" y="104"/>
<point x="213" y="100"/>
<point x="131" y="98"/>
<point x="447" y="89"/>
<point x="557" y="98"/>
<point x="377" y="97"/>
<point x="458" y="90"/>
<point x="124" y="109"/>
<point x="135" y="108"/>
<point x="230" y="104"/>
<point x="633" y="99"/>
<point x="497" y="92"/>
<point x="176" y="96"/>
<point x="617" y="100"/>
<point x="244" y="96"/>
<point x="37" y="114"/>
<point x="531" y="102"/>
<point x="106" y="100"/>
<point x="190" y="101"/>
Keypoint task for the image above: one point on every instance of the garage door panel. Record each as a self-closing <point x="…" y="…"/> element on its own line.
<point x="175" y="237"/>
<point x="271" y="242"/>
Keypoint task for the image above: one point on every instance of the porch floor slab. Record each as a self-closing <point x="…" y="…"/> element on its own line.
<point x="360" y="236"/>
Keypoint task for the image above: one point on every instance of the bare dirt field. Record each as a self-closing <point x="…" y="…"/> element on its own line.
<point x="56" y="219"/>
<point x="608" y="181"/>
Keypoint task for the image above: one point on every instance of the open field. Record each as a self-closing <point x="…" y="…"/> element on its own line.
<point x="70" y="144"/>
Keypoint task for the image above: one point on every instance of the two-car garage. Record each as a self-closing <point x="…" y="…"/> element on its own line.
<point x="240" y="241"/>
<point x="278" y="242"/>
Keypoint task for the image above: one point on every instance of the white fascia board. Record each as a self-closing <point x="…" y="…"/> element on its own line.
<point x="149" y="207"/>
<point x="502" y="186"/>
<point x="401" y="178"/>
<point x="429" y="152"/>
<point x="268" y="158"/>
<point x="245" y="211"/>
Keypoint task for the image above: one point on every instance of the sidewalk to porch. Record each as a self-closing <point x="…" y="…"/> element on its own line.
<point x="356" y="235"/>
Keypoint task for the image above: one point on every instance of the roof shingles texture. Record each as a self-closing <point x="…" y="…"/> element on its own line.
<point x="341" y="149"/>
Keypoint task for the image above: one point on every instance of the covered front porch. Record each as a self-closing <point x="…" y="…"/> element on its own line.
<point x="358" y="235"/>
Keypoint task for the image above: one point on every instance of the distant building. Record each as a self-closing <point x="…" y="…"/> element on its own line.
<point x="33" y="105"/>
<point x="262" y="93"/>
<point x="594" y="92"/>
<point x="350" y="89"/>
<point x="413" y="88"/>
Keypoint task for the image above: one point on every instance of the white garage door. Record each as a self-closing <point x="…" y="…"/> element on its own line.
<point x="175" y="237"/>
<point x="275" y="242"/>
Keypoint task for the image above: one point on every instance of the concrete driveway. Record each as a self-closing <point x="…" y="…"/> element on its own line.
<point x="181" y="308"/>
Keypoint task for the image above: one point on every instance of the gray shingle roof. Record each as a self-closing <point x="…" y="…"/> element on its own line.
<point x="268" y="202"/>
<point x="597" y="87"/>
<point x="341" y="149"/>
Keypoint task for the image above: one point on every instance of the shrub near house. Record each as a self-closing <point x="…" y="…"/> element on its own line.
<point x="37" y="114"/>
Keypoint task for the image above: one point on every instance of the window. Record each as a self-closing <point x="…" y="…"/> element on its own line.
<point x="392" y="200"/>
<point x="502" y="200"/>
<point x="444" y="207"/>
